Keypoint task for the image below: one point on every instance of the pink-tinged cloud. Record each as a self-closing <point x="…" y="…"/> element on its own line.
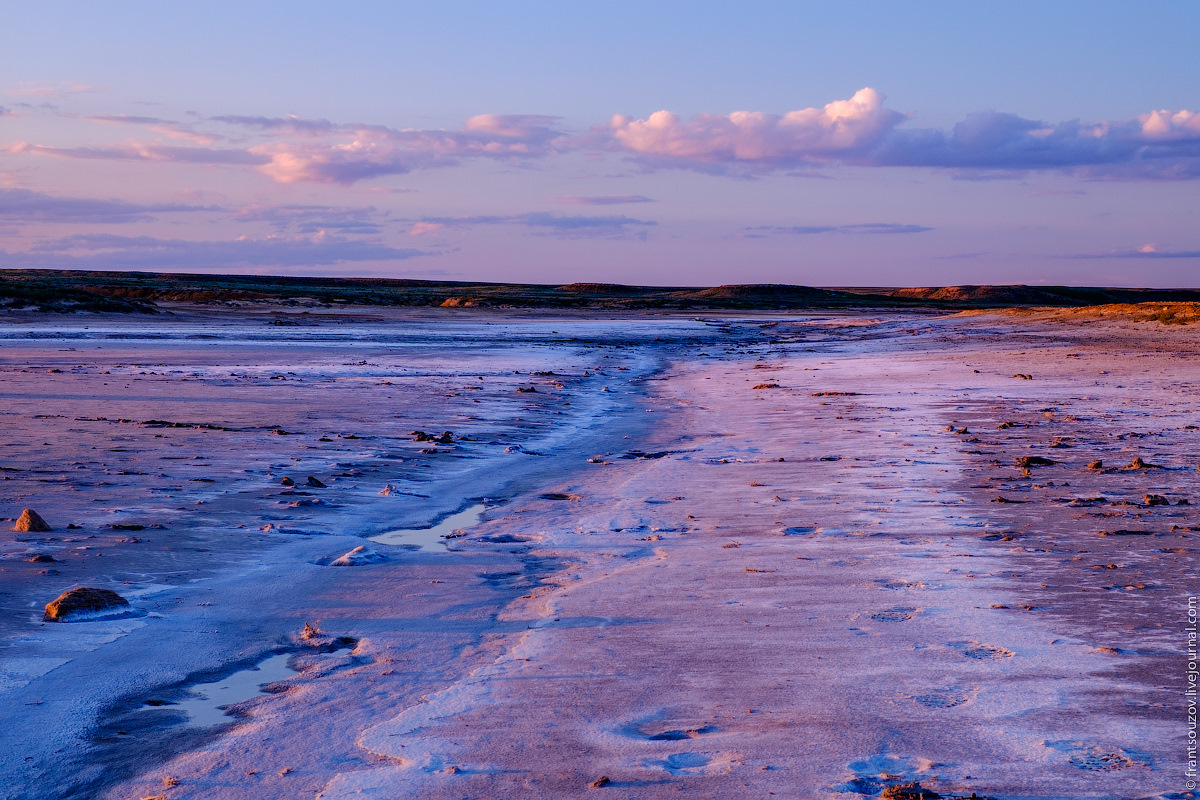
<point x="142" y="151"/>
<point x="422" y="228"/>
<point x="840" y="128"/>
<point x="172" y="130"/>
<point x="603" y="200"/>
<point x="513" y="126"/>
<point x="348" y="154"/>
<point x="858" y="131"/>
<point x="861" y="131"/>
<point x="1170" y="125"/>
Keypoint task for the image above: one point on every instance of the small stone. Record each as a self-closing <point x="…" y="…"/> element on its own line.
<point x="31" y="522"/>
<point x="82" y="599"/>
<point x="288" y="482"/>
<point x="315" y="483"/>
<point x="1096" y="465"/>
<point x="600" y="782"/>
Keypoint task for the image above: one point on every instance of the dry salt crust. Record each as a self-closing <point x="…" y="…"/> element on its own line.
<point x="808" y="590"/>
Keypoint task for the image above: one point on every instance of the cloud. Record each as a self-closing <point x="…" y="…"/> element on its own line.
<point x="144" y="152"/>
<point x="290" y="124"/>
<point x="23" y="205"/>
<point x="168" y="128"/>
<point x="314" y="218"/>
<point x="124" y="119"/>
<point x="1166" y="125"/>
<point x="1055" y="193"/>
<point x="348" y="153"/>
<point x="858" y="228"/>
<point x="603" y="200"/>
<point x="298" y="150"/>
<point x="422" y="228"/>
<point x="841" y="129"/>
<point x="861" y="131"/>
<point x="1145" y="251"/>
<point x="615" y="226"/>
<point x="59" y="89"/>
<point x="104" y="251"/>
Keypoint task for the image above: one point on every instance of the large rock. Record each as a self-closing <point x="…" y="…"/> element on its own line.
<point x="31" y="522"/>
<point x="81" y="600"/>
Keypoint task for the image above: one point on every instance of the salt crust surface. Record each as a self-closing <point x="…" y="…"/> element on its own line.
<point x="809" y="595"/>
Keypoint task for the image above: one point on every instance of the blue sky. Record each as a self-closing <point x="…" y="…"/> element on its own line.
<point x="844" y="143"/>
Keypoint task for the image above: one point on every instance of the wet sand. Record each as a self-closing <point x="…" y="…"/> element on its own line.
<point x="796" y="555"/>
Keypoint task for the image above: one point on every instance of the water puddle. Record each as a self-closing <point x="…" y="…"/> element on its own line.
<point x="205" y="705"/>
<point x="434" y="539"/>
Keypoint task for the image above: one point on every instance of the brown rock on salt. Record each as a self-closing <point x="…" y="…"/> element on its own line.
<point x="31" y="522"/>
<point x="82" y="598"/>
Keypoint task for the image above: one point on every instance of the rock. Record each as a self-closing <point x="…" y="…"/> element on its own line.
<point x="446" y="437"/>
<point x="1138" y="463"/>
<point x="31" y="522"/>
<point x="41" y="558"/>
<point x="1156" y="500"/>
<point x="767" y="386"/>
<point x="357" y="557"/>
<point x="600" y="782"/>
<point x="314" y="482"/>
<point x="909" y="791"/>
<point x="82" y="599"/>
<point x="1095" y="465"/>
<point x="288" y="482"/>
<point x="1034" y="461"/>
<point x="306" y="502"/>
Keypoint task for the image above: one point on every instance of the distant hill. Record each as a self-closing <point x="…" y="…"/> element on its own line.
<point x="1019" y="295"/>
<point x="69" y="290"/>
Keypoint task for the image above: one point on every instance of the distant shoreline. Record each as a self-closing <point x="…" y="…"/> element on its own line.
<point x="63" y="291"/>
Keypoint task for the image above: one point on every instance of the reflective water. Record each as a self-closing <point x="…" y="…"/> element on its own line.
<point x="434" y="539"/>
<point x="205" y="706"/>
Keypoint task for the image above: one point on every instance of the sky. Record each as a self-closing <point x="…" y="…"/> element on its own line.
<point x="651" y="143"/>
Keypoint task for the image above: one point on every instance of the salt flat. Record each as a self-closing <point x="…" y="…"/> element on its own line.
<point x="721" y="555"/>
